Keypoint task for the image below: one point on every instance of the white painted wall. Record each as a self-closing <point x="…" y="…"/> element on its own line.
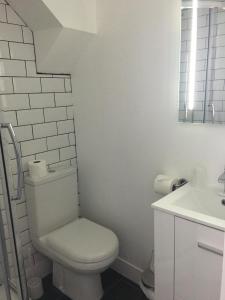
<point x="126" y="87"/>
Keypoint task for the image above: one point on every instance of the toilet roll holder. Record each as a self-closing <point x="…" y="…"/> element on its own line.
<point x="181" y="182"/>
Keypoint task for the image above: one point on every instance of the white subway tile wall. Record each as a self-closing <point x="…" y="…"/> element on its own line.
<point x="6" y="85"/>
<point x="21" y="51"/>
<point x="3" y="15"/>
<point x="4" y="50"/>
<point x="27" y="35"/>
<point x="10" y="32"/>
<point x="12" y="67"/>
<point x="12" y="17"/>
<point x="42" y="100"/>
<point x="39" y="106"/>
<point x="26" y="85"/>
<point x="55" y="114"/>
<point x="59" y="141"/>
<point x="213" y="56"/>
<point x="53" y="85"/>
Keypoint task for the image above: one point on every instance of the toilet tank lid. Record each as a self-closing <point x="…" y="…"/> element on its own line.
<point x="53" y="174"/>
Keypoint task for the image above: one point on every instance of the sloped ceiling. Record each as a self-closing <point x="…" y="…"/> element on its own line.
<point x="62" y="30"/>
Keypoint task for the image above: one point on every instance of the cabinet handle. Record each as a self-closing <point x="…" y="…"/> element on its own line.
<point x="210" y="248"/>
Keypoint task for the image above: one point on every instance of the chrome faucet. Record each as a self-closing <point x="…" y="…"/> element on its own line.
<point x="221" y="179"/>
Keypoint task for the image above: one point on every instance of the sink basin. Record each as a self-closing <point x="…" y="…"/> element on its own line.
<point x="203" y="205"/>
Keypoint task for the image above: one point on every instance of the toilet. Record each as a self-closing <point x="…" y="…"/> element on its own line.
<point x="79" y="248"/>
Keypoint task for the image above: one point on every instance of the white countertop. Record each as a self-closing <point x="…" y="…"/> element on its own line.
<point x="201" y="205"/>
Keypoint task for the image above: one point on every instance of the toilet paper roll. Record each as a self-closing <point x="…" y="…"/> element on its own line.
<point x="163" y="184"/>
<point x="37" y="168"/>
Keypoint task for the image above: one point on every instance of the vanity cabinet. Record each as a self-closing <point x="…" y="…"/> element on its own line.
<point x="188" y="259"/>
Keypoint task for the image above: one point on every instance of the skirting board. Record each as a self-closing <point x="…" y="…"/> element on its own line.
<point x="127" y="269"/>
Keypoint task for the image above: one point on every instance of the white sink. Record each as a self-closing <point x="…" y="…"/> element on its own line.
<point x="200" y="205"/>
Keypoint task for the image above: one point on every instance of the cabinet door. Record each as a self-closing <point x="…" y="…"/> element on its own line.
<point x="198" y="261"/>
<point x="164" y="255"/>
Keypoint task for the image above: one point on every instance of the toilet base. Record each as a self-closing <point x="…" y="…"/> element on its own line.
<point x="77" y="286"/>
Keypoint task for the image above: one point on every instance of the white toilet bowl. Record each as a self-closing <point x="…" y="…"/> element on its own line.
<point x="80" y="249"/>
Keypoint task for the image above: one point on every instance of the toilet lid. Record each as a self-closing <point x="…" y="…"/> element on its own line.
<point x="83" y="241"/>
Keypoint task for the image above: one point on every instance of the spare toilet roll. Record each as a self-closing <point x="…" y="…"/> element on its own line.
<point x="164" y="184"/>
<point x="37" y="168"/>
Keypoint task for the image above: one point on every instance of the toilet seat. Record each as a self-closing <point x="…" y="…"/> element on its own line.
<point x="82" y="244"/>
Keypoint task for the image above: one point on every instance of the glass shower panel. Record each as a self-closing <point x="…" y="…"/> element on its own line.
<point x="6" y="263"/>
<point x="4" y="287"/>
<point x="12" y="276"/>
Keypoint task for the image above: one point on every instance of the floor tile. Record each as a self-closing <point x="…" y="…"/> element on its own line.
<point x="110" y="278"/>
<point x="116" y="287"/>
<point x="124" y="291"/>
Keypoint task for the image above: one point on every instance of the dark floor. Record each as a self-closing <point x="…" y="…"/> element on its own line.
<point x="116" y="287"/>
